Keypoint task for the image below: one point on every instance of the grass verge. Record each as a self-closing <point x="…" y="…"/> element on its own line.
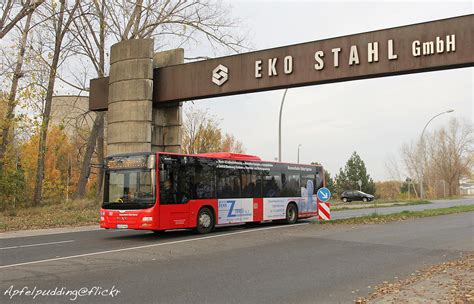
<point x="377" y="204"/>
<point x="404" y="215"/>
<point x="71" y="214"/>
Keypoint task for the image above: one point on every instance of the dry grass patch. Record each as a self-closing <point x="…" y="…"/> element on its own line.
<point x="73" y="213"/>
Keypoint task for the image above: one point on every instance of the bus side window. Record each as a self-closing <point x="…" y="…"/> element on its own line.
<point x="168" y="183"/>
<point x="186" y="176"/>
<point x="251" y="184"/>
<point x="176" y="181"/>
<point x="228" y="183"/>
<point x="290" y="184"/>
<point x="204" y="181"/>
<point x="319" y="178"/>
<point x="272" y="184"/>
<point x="304" y="182"/>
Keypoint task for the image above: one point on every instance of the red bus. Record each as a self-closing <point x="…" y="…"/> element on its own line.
<point x="162" y="191"/>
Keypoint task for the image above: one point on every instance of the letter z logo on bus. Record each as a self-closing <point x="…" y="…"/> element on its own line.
<point x="220" y="75"/>
<point x="230" y="205"/>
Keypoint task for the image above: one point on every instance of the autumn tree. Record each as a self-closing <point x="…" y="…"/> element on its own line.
<point x="230" y="144"/>
<point x="13" y="21"/>
<point x="353" y="172"/>
<point x="12" y="180"/>
<point x="446" y="158"/>
<point x="59" y="17"/>
<point x="12" y="96"/>
<point x="12" y="186"/>
<point x="449" y="153"/>
<point x="201" y="134"/>
<point x="59" y="170"/>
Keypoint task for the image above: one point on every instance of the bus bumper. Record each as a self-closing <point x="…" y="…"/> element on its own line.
<point x="128" y="219"/>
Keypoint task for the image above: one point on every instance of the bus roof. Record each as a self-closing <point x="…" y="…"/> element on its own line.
<point x="228" y="155"/>
<point x="236" y="156"/>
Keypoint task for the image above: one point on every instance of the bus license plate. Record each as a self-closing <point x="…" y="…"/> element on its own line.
<point x="122" y="226"/>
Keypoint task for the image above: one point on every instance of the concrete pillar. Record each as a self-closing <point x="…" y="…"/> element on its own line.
<point x="129" y="117"/>
<point x="167" y="118"/>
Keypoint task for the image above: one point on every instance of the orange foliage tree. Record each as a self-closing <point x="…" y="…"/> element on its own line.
<point x="202" y="134"/>
<point x="61" y="167"/>
<point x="230" y="144"/>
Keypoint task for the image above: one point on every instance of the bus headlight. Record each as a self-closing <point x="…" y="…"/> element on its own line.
<point x="147" y="218"/>
<point x="102" y="218"/>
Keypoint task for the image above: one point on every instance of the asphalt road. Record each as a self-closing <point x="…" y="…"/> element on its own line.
<point x="303" y="263"/>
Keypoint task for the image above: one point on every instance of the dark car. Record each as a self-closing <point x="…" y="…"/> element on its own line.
<point x="355" y="195"/>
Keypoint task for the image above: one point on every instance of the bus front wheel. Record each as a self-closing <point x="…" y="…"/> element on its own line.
<point x="291" y="214"/>
<point x="205" y="221"/>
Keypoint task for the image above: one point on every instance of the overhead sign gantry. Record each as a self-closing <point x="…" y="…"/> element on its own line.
<point x="430" y="46"/>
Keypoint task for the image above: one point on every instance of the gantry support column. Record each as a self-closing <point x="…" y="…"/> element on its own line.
<point x="167" y="118"/>
<point x="129" y="118"/>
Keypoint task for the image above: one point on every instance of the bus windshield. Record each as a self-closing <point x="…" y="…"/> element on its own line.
<point x="129" y="188"/>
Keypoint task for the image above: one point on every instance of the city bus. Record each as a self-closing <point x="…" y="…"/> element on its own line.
<point x="164" y="191"/>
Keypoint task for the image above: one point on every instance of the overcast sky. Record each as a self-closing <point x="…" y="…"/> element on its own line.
<point x="373" y="117"/>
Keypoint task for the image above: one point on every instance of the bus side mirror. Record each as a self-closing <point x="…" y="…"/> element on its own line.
<point x="151" y="162"/>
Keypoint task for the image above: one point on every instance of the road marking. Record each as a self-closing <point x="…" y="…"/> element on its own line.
<point x="34" y="245"/>
<point x="50" y="231"/>
<point x="148" y="246"/>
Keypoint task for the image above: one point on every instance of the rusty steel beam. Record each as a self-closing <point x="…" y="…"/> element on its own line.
<point x="430" y="46"/>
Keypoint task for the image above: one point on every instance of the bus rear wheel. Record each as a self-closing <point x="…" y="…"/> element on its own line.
<point x="205" y="221"/>
<point x="291" y="214"/>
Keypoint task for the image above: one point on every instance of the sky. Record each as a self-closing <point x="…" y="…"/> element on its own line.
<point x="372" y="117"/>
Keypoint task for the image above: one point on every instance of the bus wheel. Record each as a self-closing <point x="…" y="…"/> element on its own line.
<point x="205" y="221"/>
<point x="291" y="214"/>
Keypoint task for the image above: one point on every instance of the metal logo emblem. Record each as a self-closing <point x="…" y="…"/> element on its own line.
<point x="220" y="75"/>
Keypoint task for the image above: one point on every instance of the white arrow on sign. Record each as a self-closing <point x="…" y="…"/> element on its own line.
<point x="324" y="195"/>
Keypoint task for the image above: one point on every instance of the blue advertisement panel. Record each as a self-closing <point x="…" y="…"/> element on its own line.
<point x="235" y="211"/>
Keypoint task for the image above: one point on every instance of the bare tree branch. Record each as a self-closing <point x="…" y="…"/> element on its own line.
<point x="7" y="22"/>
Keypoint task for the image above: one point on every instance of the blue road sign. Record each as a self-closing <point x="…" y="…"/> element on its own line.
<point x="324" y="194"/>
